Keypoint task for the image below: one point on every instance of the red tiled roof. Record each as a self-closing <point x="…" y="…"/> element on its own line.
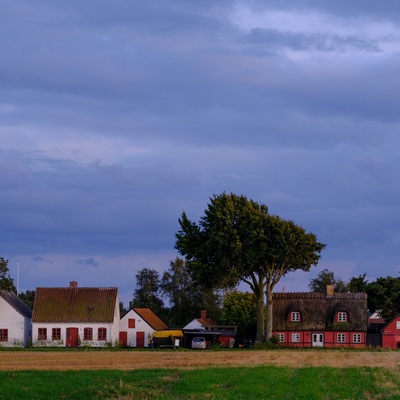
<point x="205" y="321"/>
<point x="151" y="318"/>
<point x="74" y="305"/>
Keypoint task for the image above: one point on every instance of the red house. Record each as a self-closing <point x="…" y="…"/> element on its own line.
<point x="391" y="334"/>
<point x="312" y="319"/>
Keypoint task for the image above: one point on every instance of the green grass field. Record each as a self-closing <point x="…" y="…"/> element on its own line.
<point x="212" y="383"/>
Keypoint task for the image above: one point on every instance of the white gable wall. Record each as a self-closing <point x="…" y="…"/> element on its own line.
<point x="140" y="326"/>
<point x="195" y="324"/>
<point x="18" y="326"/>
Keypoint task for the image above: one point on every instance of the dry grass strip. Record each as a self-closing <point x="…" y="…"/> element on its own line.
<point x="128" y="360"/>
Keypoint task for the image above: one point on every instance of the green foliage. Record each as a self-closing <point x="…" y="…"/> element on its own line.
<point x="6" y="282"/>
<point x="358" y="284"/>
<point x="28" y="297"/>
<point x="237" y="240"/>
<point x="384" y="295"/>
<point x="266" y="382"/>
<point x="186" y="297"/>
<point x="324" y="278"/>
<point x="147" y="293"/>
<point x="239" y="309"/>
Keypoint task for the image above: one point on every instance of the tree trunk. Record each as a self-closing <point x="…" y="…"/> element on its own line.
<point x="269" y="315"/>
<point x="260" y="317"/>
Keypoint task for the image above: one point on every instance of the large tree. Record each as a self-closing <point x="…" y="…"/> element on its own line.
<point x="6" y="282"/>
<point x="185" y="296"/>
<point x="238" y="241"/>
<point x="147" y="293"/>
<point x="326" y="277"/>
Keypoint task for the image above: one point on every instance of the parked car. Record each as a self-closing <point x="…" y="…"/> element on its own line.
<point x="199" y="343"/>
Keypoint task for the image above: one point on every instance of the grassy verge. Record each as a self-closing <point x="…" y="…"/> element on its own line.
<point x="212" y="383"/>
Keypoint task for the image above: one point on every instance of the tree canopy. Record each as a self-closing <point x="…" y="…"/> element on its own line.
<point x="185" y="296"/>
<point x="324" y="278"/>
<point x="147" y="293"/>
<point x="6" y="282"/>
<point x="238" y="241"/>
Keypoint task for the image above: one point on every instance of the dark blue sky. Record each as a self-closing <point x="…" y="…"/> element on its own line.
<point x="117" y="116"/>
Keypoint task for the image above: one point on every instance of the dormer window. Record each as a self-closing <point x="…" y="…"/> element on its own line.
<point x="342" y="316"/>
<point x="295" y="316"/>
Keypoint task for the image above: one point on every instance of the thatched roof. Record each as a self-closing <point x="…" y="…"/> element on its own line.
<point x="318" y="311"/>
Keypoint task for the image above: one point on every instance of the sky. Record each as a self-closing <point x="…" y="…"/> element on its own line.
<point x="117" y="116"/>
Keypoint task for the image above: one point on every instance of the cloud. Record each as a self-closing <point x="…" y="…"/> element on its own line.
<point x="88" y="261"/>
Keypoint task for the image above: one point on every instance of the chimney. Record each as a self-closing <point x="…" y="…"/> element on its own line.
<point x="73" y="284"/>
<point x="203" y="314"/>
<point x="330" y="292"/>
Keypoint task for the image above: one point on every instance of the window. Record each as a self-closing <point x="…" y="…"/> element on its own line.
<point x="3" y="335"/>
<point x="102" y="334"/>
<point x="341" y="338"/>
<point x="56" y="334"/>
<point x="342" y="316"/>
<point x="295" y="316"/>
<point x="42" y="333"/>
<point x="357" y="338"/>
<point x="131" y="323"/>
<point x="295" y="337"/>
<point x="87" y="334"/>
<point x="397" y="324"/>
<point x="281" y="337"/>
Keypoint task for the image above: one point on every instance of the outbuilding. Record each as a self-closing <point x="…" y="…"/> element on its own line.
<point x="15" y="321"/>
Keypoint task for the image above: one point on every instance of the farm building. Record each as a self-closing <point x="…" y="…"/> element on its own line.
<point x="320" y="319"/>
<point x="201" y="323"/>
<point x="15" y="321"/>
<point x="73" y="317"/>
<point x="137" y="325"/>
<point x="391" y="334"/>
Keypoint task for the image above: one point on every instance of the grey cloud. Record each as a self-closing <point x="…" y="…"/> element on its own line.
<point x="88" y="261"/>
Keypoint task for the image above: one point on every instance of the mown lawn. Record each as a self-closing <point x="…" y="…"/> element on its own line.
<point x="267" y="382"/>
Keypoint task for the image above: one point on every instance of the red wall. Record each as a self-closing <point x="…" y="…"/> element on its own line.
<point x="391" y="334"/>
<point x="330" y="339"/>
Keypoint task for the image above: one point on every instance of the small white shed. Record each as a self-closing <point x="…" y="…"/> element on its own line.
<point x="15" y="321"/>
<point x="137" y="325"/>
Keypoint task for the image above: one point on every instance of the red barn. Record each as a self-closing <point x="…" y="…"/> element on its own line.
<point x="391" y="334"/>
<point x="312" y="319"/>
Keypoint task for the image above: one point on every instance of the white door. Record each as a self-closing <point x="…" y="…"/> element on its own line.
<point x="318" y="340"/>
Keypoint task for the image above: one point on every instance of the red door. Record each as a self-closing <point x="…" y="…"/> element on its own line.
<point x="140" y="339"/>
<point x="123" y="339"/>
<point x="72" y="337"/>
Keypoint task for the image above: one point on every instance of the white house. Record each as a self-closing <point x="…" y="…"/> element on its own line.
<point x="201" y="323"/>
<point x="137" y="325"/>
<point x="73" y="317"/>
<point x="15" y="321"/>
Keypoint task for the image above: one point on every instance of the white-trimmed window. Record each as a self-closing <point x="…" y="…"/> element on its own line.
<point x="342" y="316"/>
<point x="356" y="337"/>
<point x="397" y="324"/>
<point x="281" y="337"/>
<point x="295" y="316"/>
<point x="341" y="338"/>
<point x="295" y="337"/>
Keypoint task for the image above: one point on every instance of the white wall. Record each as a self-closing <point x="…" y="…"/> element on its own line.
<point x="63" y="326"/>
<point x="18" y="326"/>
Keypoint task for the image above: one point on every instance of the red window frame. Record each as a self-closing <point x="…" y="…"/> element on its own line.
<point x="56" y="334"/>
<point x="102" y="334"/>
<point x="3" y="335"/>
<point x="131" y="323"/>
<point x="42" y="333"/>
<point x="88" y="334"/>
